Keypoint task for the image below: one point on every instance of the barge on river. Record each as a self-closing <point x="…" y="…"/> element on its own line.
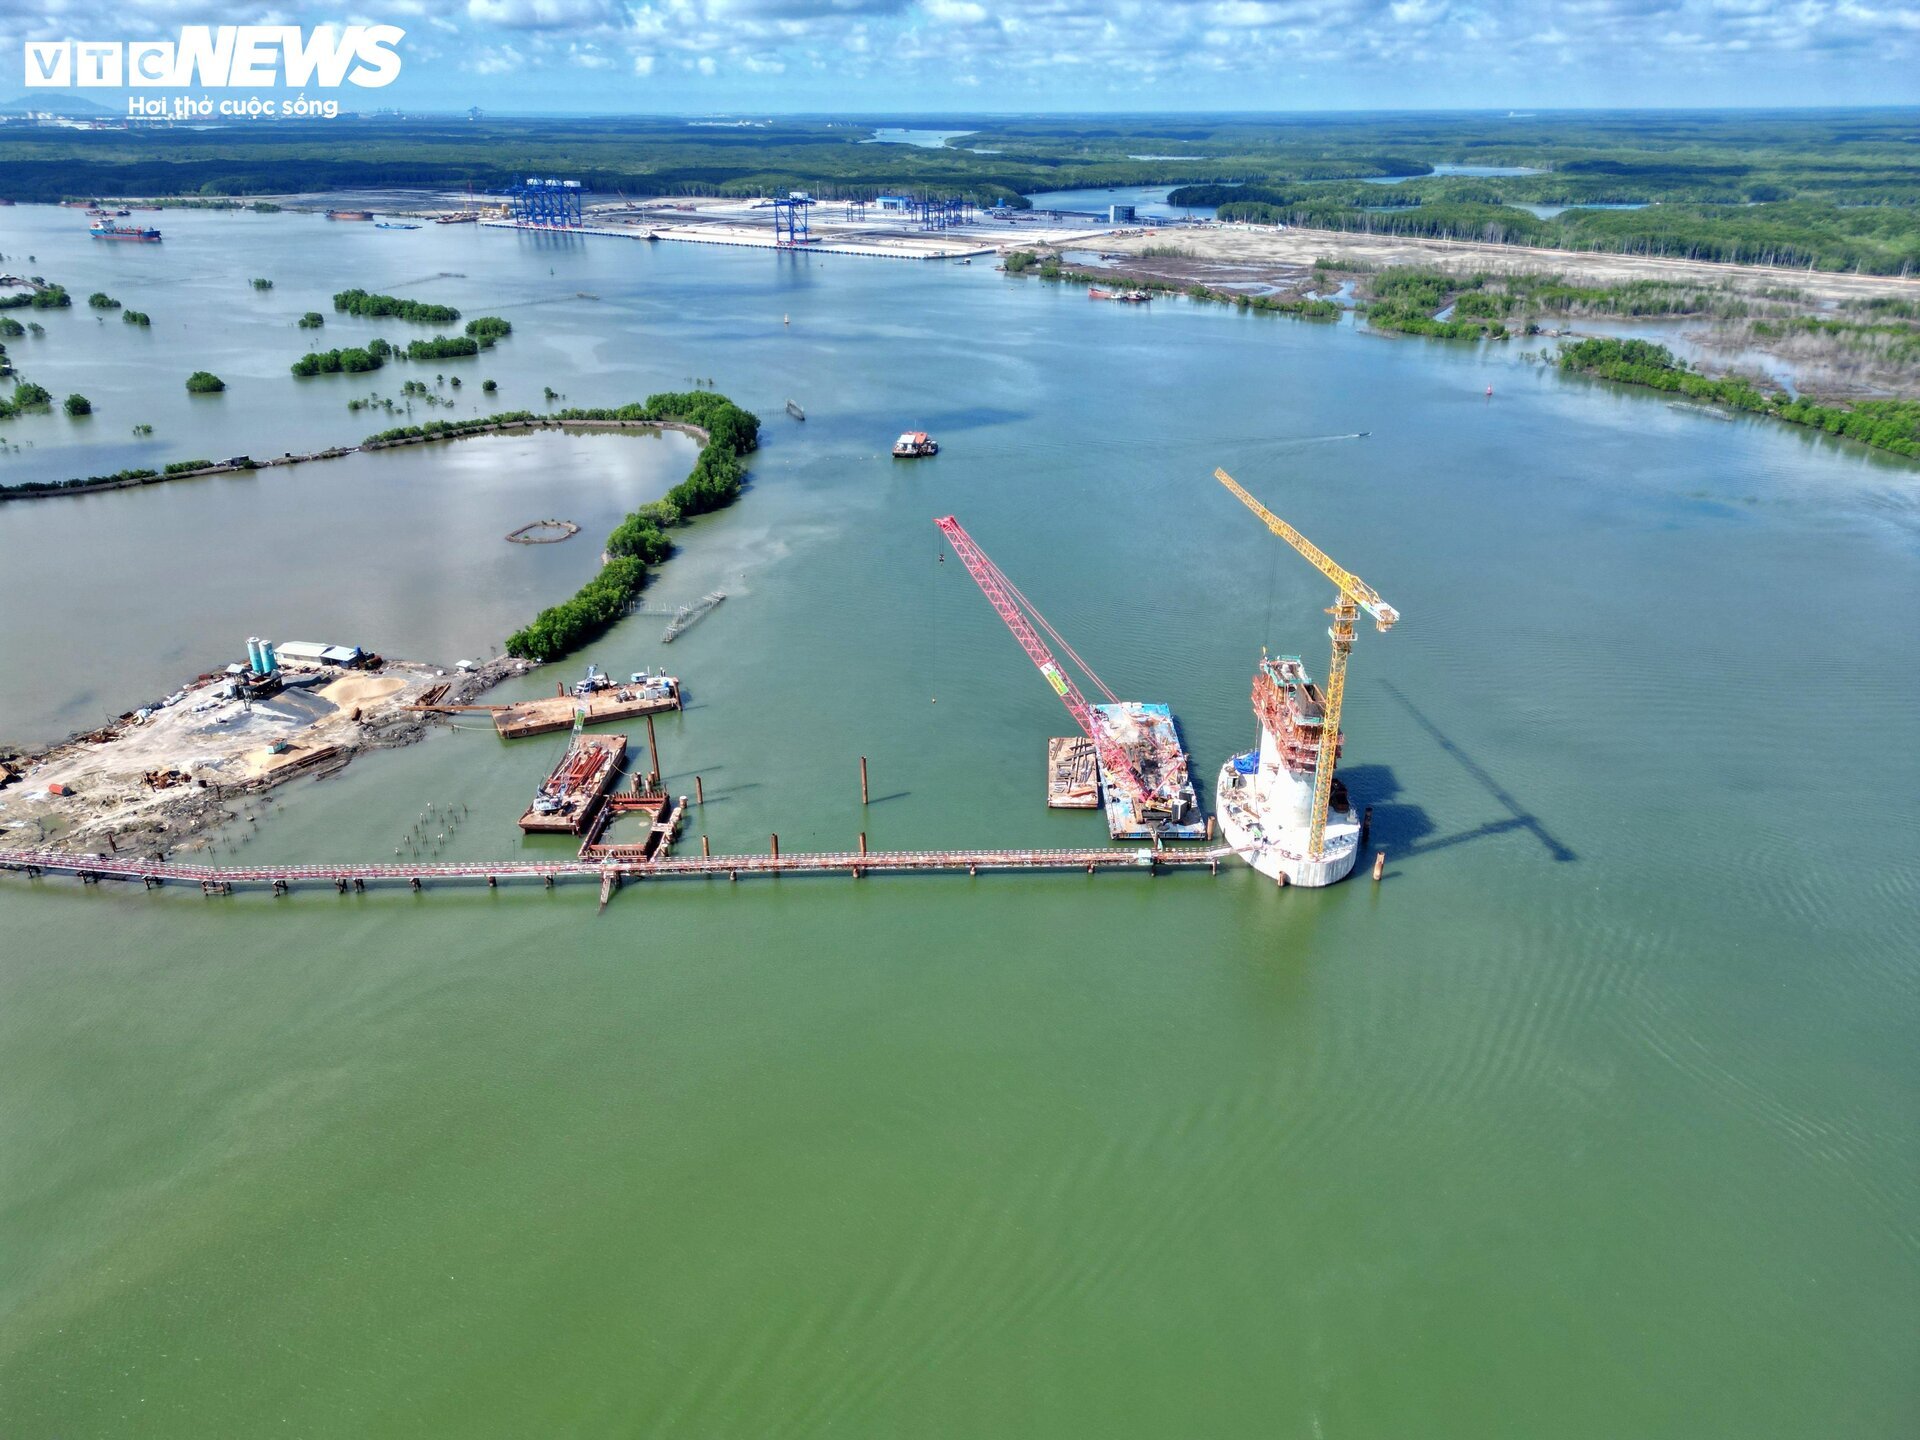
<point x="1151" y="742"/>
<point x="643" y="695"/>
<point x="570" y="798"/>
<point x="108" y="230"/>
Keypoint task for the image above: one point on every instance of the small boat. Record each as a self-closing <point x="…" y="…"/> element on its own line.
<point x="349" y="215"/>
<point x="914" y="444"/>
<point x="107" y="230"/>
<point x="795" y="411"/>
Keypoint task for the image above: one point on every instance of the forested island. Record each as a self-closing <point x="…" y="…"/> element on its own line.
<point x="641" y="540"/>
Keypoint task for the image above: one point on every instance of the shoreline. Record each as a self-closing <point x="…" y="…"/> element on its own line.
<point x="53" y="489"/>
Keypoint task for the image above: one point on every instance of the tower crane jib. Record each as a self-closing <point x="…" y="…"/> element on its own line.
<point x="1355" y="595"/>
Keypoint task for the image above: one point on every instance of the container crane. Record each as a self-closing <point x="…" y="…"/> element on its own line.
<point x="1005" y="597"/>
<point x="1355" y="595"/>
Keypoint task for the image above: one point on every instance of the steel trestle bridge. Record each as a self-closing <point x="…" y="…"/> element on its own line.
<point x="222" y="879"/>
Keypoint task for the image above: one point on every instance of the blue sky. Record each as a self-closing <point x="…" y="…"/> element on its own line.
<point x="854" y="56"/>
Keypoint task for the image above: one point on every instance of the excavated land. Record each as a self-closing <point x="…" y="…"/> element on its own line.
<point x="153" y="785"/>
<point x="1283" y="258"/>
<point x="1281" y="264"/>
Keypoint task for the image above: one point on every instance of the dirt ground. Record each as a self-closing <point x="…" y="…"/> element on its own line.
<point x="151" y="785"/>
<point x="1283" y="258"/>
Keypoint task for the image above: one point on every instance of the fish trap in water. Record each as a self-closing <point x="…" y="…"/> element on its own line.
<point x="543" y="532"/>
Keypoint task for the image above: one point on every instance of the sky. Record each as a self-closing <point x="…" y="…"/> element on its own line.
<point x="847" y="57"/>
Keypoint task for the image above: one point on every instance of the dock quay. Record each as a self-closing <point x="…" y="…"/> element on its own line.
<point x="897" y="247"/>
<point x="1073" y="774"/>
<point x="617" y="232"/>
<point x="571" y="798"/>
<point x="355" y="878"/>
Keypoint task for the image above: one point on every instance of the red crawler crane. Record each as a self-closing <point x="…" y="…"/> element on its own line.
<point x="1006" y="598"/>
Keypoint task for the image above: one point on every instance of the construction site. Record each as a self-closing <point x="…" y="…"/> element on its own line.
<point x="112" y="803"/>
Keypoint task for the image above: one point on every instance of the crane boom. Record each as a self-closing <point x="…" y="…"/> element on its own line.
<point x="1001" y="593"/>
<point x="1351" y="585"/>
<point x="1355" y="595"/>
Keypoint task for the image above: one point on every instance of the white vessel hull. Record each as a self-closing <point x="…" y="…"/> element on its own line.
<point x="1264" y="818"/>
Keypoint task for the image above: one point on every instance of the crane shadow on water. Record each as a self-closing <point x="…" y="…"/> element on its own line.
<point x="1411" y="826"/>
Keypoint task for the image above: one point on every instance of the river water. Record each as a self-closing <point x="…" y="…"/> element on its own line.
<point x="1595" y="1119"/>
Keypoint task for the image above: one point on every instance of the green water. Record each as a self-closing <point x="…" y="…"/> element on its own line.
<point x="1596" y="1119"/>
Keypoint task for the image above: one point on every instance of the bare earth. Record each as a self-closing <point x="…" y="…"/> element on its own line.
<point x="1283" y="258"/>
<point x="147" y="786"/>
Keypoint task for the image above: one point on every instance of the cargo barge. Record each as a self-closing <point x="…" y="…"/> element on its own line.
<point x="642" y="695"/>
<point x="349" y="215"/>
<point x="570" y="798"/>
<point x="1073" y="774"/>
<point x="107" y="230"/>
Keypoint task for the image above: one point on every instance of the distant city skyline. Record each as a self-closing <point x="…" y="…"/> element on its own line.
<point x="850" y="57"/>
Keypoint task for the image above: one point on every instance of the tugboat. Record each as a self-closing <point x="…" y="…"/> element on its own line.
<point x="913" y="444"/>
<point x="107" y="230"/>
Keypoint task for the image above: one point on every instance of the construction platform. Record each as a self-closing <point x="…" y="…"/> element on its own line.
<point x="1073" y="774"/>
<point x="571" y="798"/>
<point x="616" y="702"/>
<point x="1152" y="742"/>
<point x="662" y="819"/>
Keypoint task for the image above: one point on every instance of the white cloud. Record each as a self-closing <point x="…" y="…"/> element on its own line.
<point x="544" y="14"/>
<point x="495" y="60"/>
<point x="1063" y="53"/>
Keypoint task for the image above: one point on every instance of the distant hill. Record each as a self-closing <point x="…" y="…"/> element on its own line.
<point x="55" y="102"/>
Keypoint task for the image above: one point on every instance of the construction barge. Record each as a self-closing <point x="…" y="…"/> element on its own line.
<point x="570" y="799"/>
<point x="642" y="695"/>
<point x="1150" y="741"/>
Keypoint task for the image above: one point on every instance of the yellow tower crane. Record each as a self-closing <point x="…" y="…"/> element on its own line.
<point x="1355" y="595"/>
